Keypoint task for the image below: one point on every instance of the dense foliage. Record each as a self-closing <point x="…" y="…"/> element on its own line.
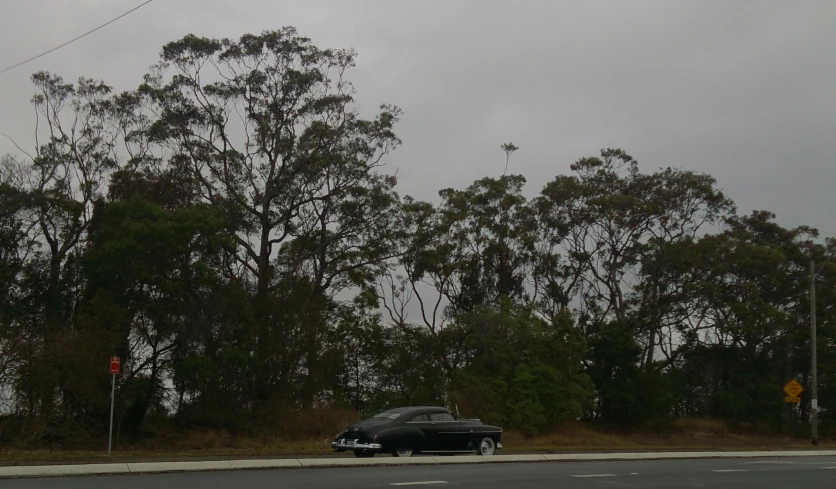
<point x="228" y="230"/>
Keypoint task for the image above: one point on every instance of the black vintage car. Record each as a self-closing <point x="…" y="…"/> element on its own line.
<point x="411" y="430"/>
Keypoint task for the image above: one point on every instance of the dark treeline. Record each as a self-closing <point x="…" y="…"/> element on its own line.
<point x="227" y="230"/>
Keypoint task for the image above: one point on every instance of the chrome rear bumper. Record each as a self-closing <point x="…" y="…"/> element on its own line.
<point x="343" y="444"/>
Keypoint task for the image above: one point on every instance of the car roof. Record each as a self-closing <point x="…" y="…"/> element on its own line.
<point x="418" y="409"/>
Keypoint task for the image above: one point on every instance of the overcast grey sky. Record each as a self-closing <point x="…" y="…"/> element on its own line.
<point x="743" y="90"/>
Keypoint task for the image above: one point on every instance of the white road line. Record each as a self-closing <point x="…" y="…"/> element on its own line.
<point x="829" y="467"/>
<point x="596" y="475"/>
<point x="730" y="470"/>
<point x="772" y="463"/>
<point x="418" y="483"/>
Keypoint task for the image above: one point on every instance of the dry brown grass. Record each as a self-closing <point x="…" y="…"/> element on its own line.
<point x="699" y="426"/>
<point x="685" y="434"/>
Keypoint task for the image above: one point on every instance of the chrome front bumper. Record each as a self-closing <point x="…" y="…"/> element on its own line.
<point x="343" y="444"/>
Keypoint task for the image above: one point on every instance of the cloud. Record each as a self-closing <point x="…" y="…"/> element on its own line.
<point x="741" y="90"/>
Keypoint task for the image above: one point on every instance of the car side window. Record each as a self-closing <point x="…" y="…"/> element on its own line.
<point x="441" y="417"/>
<point x="421" y="418"/>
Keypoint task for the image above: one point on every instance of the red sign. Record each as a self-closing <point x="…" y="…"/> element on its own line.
<point x="114" y="365"/>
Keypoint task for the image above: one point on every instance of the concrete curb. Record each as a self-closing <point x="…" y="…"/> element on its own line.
<point x="15" y="472"/>
<point x="63" y="470"/>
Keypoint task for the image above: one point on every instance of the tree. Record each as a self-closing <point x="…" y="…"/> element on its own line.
<point x="609" y="232"/>
<point x="752" y="329"/>
<point x="76" y="140"/>
<point x="268" y="128"/>
<point x="16" y="245"/>
<point x="150" y="273"/>
<point x="492" y="227"/>
<point x="521" y="370"/>
<point x="228" y="229"/>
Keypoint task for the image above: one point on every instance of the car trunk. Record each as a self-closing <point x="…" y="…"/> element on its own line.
<point x="363" y="430"/>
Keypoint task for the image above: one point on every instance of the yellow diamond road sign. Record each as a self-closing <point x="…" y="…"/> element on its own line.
<point x="793" y="389"/>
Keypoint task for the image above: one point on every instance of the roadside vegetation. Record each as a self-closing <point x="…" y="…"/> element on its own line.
<point x="194" y="445"/>
<point x="230" y="229"/>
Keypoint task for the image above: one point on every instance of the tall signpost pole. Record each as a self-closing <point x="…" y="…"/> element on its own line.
<point x="814" y="408"/>
<point x="814" y="393"/>
<point x="114" y="371"/>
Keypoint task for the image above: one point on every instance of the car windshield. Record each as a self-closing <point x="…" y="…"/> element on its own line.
<point x="387" y="415"/>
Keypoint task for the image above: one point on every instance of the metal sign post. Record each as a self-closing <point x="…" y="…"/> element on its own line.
<point x="114" y="371"/>
<point x="814" y="391"/>
<point x="814" y="408"/>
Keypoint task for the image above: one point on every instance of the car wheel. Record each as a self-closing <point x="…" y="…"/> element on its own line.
<point x="362" y="454"/>
<point x="487" y="446"/>
<point x="402" y="452"/>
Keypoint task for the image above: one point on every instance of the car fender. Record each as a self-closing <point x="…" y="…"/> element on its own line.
<point x="400" y="437"/>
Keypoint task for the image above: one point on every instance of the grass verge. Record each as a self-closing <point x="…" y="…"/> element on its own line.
<point x="687" y="435"/>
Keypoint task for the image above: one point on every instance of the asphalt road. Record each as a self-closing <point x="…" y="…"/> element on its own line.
<point x="807" y="473"/>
